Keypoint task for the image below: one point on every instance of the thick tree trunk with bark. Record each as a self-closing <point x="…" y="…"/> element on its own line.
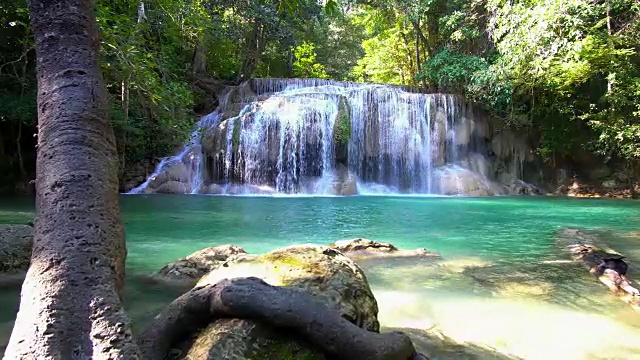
<point x="70" y="306"/>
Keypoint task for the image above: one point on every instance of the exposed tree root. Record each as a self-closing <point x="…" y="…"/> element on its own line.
<point x="252" y="298"/>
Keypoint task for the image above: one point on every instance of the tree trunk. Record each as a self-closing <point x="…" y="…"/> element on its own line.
<point x="199" y="62"/>
<point x="23" y="172"/>
<point x="416" y="27"/>
<point x="124" y="100"/>
<point x="252" y="53"/>
<point x="407" y="48"/>
<point x="70" y="306"/>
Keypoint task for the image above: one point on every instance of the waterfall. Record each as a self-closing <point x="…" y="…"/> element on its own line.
<point x="313" y="136"/>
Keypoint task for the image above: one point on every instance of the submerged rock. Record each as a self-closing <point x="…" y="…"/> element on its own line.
<point x="524" y="280"/>
<point x="16" y="242"/>
<point x="330" y="276"/>
<point x="189" y="270"/>
<point x="364" y="248"/>
<point x="434" y="344"/>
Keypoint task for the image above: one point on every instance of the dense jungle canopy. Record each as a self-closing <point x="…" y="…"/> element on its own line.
<point x="565" y="71"/>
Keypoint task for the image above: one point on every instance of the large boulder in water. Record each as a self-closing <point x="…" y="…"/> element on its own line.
<point x="327" y="274"/>
<point x="455" y="180"/>
<point x="360" y="248"/>
<point x="174" y="179"/>
<point x="519" y="187"/>
<point x="16" y="242"/>
<point x="188" y="270"/>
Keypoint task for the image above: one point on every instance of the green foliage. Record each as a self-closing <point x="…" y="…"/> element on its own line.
<point x="573" y="63"/>
<point x="565" y="71"/>
<point x="453" y="72"/>
<point x="342" y="132"/>
<point x="305" y="65"/>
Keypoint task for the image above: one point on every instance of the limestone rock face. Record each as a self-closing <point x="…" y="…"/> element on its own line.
<point x="345" y="183"/>
<point x="519" y="187"/>
<point x="211" y="189"/>
<point x="330" y="276"/>
<point x="458" y="181"/>
<point x="190" y="269"/>
<point x="172" y="187"/>
<point x="16" y="242"/>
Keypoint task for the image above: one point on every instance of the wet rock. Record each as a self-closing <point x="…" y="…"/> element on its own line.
<point x="360" y="248"/>
<point x="599" y="173"/>
<point x="211" y="189"/>
<point x="187" y="271"/>
<point x="345" y="183"/>
<point x="325" y="273"/>
<point x="527" y="280"/>
<point x="172" y="187"/>
<point x="177" y="172"/>
<point x="519" y="187"/>
<point x="16" y="242"/>
<point x="453" y="180"/>
<point x="348" y="186"/>
<point x="250" y="190"/>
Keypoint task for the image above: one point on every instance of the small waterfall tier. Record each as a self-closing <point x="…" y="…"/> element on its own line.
<point x="308" y="136"/>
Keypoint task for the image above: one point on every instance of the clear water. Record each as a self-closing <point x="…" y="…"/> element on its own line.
<point x="502" y="283"/>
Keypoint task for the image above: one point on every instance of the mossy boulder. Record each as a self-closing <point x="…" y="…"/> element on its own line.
<point x="16" y="242"/>
<point x="325" y="273"/>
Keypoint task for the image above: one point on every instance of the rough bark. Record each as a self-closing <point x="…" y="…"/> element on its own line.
<point x="252" y="298"/>
<point x="254" y="48"/>
<point x="70" y="306"/>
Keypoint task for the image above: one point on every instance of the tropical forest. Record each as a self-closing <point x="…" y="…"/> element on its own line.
<point x="319" y="179"/>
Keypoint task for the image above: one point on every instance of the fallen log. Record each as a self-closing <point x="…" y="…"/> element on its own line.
<point x="607" y="265"/>
<point x="281" y="307"/>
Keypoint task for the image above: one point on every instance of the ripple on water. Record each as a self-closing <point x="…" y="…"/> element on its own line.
<point x="502" y="283"/>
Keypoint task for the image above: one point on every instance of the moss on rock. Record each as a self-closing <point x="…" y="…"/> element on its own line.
<point x="342" y="128"/>
<point x="235" y="137"/>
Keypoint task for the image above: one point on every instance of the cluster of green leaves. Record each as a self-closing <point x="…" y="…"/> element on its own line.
<point x="574" y="70"/>
<point x="143" y="62"/>
<point x="17" y="95"/>
<point x="305" y="64"/>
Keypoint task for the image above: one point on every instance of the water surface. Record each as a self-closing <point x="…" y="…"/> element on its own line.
<point x="502" y="283"/>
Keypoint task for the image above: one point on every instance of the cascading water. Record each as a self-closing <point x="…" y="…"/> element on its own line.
<point x="336" y="138"/>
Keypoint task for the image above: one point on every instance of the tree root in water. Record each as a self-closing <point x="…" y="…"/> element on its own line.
<point x="287" y="308"/>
